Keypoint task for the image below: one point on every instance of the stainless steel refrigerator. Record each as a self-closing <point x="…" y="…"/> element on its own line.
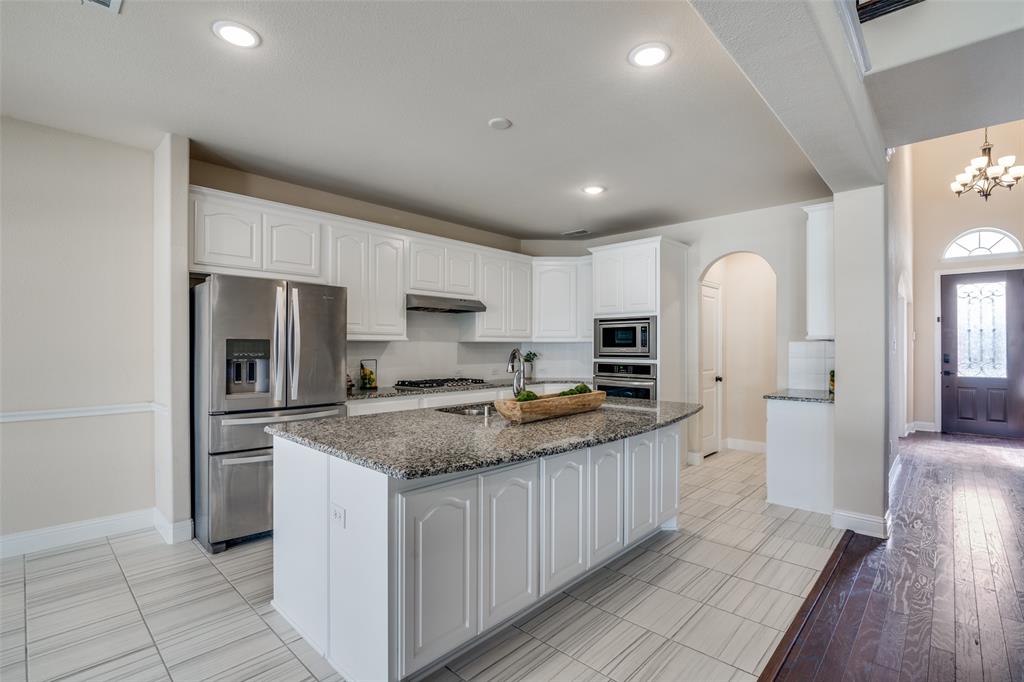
<point x="264" y="351"/>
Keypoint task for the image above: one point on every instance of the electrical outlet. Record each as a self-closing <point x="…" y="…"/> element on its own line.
<point x="338" y="515"/>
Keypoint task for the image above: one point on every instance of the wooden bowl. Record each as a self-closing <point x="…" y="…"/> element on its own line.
<point x="548" y="406"/>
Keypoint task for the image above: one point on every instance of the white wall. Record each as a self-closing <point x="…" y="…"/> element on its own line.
<point x="434" y="350"/>
<point x="747" y="294"/>
<point x="900" y="294"/>
<point x="860" y="407"/>
<point x="939" y="216"/>
<point x="76" y="294"/>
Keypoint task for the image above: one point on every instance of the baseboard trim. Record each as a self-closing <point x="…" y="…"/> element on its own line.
<point x="172" y="533"/>
<point x="924" y="426"/>
<point x="744" y="445"/>
<point x="39" y="539"/>
<point x="74" y="412"/>
<point x="694" y="458"/>
<point x="864" y="524"/>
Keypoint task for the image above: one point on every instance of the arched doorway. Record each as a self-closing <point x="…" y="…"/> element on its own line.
<point x="736" y="351"/>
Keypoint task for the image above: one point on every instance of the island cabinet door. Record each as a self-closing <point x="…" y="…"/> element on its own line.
<point x="439" y="569"/>
<point x="606" y="538"/>
<point x="669" y="439"/>
<point x="509" y="545"/>
<point x="563" y="551"/>
<point x="641" y="486"/>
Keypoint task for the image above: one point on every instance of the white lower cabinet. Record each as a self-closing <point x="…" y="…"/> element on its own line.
<point x="605" y="467"/>
<point x="563" y="552"/>
<point x="669" y="439"/>
<point x="641" y="485"/>
<point x="508" y="545"/>
<point x="438" y="535"/>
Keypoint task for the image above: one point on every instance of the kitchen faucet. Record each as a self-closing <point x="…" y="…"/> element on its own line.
<point x="518" y="376"/>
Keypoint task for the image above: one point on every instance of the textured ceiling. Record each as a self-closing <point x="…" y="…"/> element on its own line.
<point x="388" y="102"/>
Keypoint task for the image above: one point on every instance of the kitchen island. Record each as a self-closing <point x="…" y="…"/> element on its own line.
<point x="401" y="538"/>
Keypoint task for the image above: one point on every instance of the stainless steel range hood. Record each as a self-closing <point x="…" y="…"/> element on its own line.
<point x="442" y="304"/>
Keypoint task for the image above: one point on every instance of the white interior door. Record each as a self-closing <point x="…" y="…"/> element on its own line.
<point x="710" y="368"/>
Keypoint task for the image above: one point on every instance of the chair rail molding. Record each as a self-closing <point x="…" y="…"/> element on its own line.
<point x="75" y="412"/>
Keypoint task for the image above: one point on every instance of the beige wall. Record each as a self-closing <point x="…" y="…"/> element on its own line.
<point x="76" y="295"/>
<point x="748" y="342"/>
<point x="231" y="180"/>
<point x="939" y="216"/>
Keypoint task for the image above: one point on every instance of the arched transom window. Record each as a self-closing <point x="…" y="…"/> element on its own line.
<point x="984" y="241"/>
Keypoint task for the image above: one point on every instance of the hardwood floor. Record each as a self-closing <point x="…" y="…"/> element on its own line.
<point x="943" y="598"/>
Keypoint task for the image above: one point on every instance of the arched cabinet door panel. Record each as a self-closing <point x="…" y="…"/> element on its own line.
<point x="226" y="233"/>
<point x="606" y="538"/>
<point x="291" y="245"/>
<point x="438" y="570"/>
<point x="563" y="519"/>
<point x="641" y="486"/>
<point x="509" y="556"/>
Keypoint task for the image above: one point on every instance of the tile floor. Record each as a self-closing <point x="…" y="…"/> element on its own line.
<point x="708" y="602"/>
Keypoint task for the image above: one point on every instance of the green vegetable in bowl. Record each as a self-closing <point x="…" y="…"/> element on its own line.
<point x="582" y="388"/>
<point x="525" y="396"/>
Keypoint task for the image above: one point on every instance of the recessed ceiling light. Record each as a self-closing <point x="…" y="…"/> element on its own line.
<point x="649" y="54"/>
<point x="236" y="34"/>
<point x="594" y="190"/>
<point x="500" y="123"/>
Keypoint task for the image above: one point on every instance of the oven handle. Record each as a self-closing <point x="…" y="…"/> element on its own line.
<point x="616" y="381"/>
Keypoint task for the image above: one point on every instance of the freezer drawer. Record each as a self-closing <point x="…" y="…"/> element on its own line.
<point x="241" y="494"/>
<point x="233" y="432"/>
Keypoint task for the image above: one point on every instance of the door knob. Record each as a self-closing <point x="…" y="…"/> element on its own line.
<point x="719" y="379"/>
<point x="946" y="373"/>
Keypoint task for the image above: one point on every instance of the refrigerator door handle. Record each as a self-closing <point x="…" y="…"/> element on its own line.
<point x="249" y="421"/>
<point x="276" y="353"/>
<point x="246" y="460"/>
<point x="295" y="344"/>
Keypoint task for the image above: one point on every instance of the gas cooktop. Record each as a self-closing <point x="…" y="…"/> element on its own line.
<point x="438" y="383"/>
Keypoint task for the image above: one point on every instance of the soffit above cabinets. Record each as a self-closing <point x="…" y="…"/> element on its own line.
<point x="389" y="102"/>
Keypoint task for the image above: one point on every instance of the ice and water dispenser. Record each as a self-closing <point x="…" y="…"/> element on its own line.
<point x="248" y="366"/>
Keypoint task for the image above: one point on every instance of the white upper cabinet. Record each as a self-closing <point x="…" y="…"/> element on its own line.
<point x="627" y="278"/>
<point x="291" y="245"/>
<point x="350" y="268"/>
<point x="506" y="290"/>
<point x="554" y="300"/>
<point x="460" y="271"/>
<point x="585" y="299"/>
<point x="371" y="267"/>
<point x="426" y="265"/>
<point x="226" y="233"/>
<point x="492" y="322"/>
<point x="640" y="279"/>
<point x="387" y="310"/>
<point x="562" y="302"/>
<point x="520" y="299"/>
<point x="607" y="282"/>
<point x="821" y="317"/>
<point x="435" y="267"/>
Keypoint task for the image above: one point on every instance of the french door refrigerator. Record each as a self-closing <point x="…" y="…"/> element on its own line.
<point x="264" y="351"/>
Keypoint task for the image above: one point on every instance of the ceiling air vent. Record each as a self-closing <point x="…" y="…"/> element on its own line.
<point x="113" y="6"/>
<point x="574" y="234"/>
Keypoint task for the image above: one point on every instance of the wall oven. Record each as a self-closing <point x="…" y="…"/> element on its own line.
<point x="634" y="337"/>
<point x="625" y="380"/>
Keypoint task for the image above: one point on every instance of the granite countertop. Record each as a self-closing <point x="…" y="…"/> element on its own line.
<point x="428" y="442"/>
<point x="392" y="392"/>
<point x="801" y="395"/>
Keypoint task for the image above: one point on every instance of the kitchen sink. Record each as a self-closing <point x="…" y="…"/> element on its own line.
<point x="477" y="410"/>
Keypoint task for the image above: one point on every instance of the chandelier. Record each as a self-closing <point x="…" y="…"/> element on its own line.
<point x="984" y="174"/>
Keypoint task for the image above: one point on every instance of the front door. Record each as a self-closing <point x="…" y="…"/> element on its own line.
<point x="983" y="353"/>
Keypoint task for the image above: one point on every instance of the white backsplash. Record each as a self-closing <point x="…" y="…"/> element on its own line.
<point x="434" y="350"/>
<point x="809" y="364"/>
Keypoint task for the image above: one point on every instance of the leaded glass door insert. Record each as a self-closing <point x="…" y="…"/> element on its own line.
<point x="982" y="363"/>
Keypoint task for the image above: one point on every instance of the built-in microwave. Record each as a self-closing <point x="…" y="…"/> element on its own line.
<point x="632" y="337"/>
